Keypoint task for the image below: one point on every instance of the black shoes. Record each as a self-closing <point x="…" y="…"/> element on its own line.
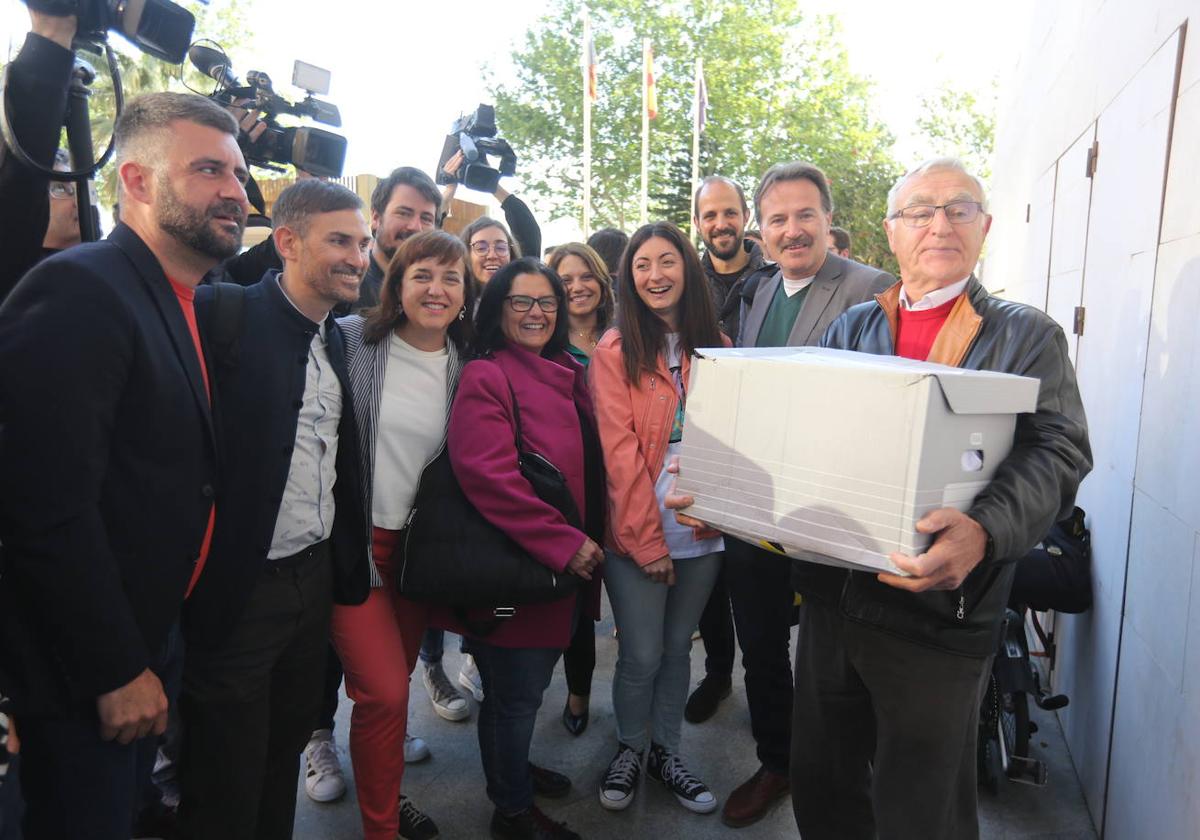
<point x="668" y="768"/>
<point x="414" y="825"/>
<point x="529" y="825"/>
<point x="547" y="783"/>
<point x="708" y="695"/>
<point x="575" y="724"/>
<point x="621" y="779"/>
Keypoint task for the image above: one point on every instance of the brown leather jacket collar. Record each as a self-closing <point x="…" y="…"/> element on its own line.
<point x="952" y="342"/>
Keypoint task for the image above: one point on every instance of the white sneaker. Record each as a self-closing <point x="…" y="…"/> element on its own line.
<point x="446" y="700"/>
<point x="415" y="749"/>
<point x="468" y="678"/>
<point x="323" y="781"/>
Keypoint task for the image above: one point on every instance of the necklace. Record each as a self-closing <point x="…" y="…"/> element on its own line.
<point x="585" y="336"/>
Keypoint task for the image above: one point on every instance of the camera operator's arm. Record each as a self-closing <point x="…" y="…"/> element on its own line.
<point x="37" y="101"/>
<point x="521" y="222"/>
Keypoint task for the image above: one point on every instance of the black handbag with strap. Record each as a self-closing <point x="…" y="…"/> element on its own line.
<point x="451" y="555"/>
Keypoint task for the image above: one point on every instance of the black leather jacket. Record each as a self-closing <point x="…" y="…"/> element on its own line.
<point x="1031" y="490"/>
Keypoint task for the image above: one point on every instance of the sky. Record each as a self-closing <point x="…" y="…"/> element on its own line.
<point x="402" y="73"/>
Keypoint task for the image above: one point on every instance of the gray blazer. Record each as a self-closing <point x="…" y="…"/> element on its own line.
<point x="840" y="284"/>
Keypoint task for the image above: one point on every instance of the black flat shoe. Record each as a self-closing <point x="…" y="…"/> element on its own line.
<point x="575" y="724"/>
<point x="547" y="783"/>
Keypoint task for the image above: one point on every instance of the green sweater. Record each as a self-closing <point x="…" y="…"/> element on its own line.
<point x="781" y="317"/>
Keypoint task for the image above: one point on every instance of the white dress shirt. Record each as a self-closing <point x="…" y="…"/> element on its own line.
<point x="306" y="512"/>
<point x="935" y="298"/>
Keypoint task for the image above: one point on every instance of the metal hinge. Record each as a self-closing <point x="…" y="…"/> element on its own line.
<point x="1093" y="156"/>
<point x="1080" y="313"/>
<point x="1026" y="214"/>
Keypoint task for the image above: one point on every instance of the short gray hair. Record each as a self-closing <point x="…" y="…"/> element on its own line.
<point x="933" y="165"/>
<point x="297" y="204"/>
<point x="796" y="170"/>
<point x="146" y="117"/>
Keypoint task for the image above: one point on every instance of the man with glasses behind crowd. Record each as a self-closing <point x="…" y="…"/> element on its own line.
<point x="890" y="669"/>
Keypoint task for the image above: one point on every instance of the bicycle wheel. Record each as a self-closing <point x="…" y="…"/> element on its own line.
<point x="1014" y="723"/>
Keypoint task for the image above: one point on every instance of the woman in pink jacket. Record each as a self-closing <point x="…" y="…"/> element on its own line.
<point x="659" y="573"/>
<point x="521" y="328"/>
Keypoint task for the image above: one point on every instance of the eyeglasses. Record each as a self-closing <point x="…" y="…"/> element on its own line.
<point x="481" y="248"/>
<point x="62" y="189"/>
<point x="523" y="303"/>
<point x="921" y="215"/>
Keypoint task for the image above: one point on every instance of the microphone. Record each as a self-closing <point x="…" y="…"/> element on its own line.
<point x="212" y="63"/>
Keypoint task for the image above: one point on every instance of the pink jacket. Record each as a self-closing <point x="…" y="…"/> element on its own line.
<point x="484" y="457"/>
<point x="635" y="428"/>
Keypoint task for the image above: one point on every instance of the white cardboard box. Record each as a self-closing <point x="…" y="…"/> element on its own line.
<point x="833" y="456"/>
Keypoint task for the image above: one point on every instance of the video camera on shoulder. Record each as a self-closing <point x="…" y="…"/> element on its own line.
<point x="159" y="27"/>
<point x="312" y="149"/>
<point x="475" y="136"/>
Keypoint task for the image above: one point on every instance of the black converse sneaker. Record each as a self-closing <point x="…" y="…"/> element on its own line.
<point x="691" y="792"/>
<point x="620" y="782"/>
<point x="414" y="825"/>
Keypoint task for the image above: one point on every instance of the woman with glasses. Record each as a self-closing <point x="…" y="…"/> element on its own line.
<point x="489" y="248"/>
<point x="523" y="369"/>
<point x="589" y="313"/>
<point x="658" y="573"/>
<point x="403" y="359"/>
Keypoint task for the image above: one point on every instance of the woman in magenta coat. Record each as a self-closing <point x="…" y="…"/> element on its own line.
<point x="521" y="326"/>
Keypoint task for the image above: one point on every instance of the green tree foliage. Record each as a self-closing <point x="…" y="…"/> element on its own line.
<point x="779" y="88"/>
<point x="962" y="124"/>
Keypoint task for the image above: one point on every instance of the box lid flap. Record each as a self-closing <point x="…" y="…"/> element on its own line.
<point x="987" y="392"/>
<point x="966" y="391"/>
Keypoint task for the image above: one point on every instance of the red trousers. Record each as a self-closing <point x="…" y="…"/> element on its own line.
<point x="378" y="642"/>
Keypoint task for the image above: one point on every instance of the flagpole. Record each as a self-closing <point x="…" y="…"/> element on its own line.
<point x="696" y="117"/>
<point x="587" y="128"/>
<point x="646" y="70"/>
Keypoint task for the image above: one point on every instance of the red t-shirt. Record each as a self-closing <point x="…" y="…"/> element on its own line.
<point x="187" y="302"/>
<point x="916" y="331"/>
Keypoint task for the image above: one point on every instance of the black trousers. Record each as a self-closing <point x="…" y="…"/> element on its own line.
<point x="249" y="706"/>
<point x="716" y="630"/>
<point x="329" y="692"/>
<point x="884" y="734"/>
<point x="579" y="659"/>
<point x="77" y="785"/>
<point x="760" y="590"/>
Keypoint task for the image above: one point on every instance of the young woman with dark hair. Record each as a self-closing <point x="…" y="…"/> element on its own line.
<point x="522" y="369"/>
<point x="658" y="573"/>
<point x="404" y="359"/>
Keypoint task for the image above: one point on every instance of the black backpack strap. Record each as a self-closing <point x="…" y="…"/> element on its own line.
<point x="225" y="322"/>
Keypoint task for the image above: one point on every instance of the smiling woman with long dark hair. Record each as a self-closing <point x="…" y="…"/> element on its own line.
<point x="658" y="573"/>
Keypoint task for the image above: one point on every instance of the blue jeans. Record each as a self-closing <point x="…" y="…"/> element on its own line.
<point x="655" y="644"/>
<point x="513" y="682"/>
<point x="432" y="645"/>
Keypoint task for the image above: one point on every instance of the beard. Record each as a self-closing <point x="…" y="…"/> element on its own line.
<point x="389" y="249"/>
<point x="329" y="283"/>
<point x="724" y="253"/>
<point x="193" y="228"/>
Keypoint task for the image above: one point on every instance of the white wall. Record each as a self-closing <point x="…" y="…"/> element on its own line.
<point x="1132" y="667"/>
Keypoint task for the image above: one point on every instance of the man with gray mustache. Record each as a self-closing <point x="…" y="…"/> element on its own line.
<point x="789" y="308"/>
<point x="290" y="536"/>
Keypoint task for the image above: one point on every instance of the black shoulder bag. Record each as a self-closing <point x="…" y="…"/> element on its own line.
<point x="451" y="555"/>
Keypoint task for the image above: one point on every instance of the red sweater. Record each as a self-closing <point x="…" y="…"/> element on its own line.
<point x="916" y="331"/>
<point x="187" y="302"/>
